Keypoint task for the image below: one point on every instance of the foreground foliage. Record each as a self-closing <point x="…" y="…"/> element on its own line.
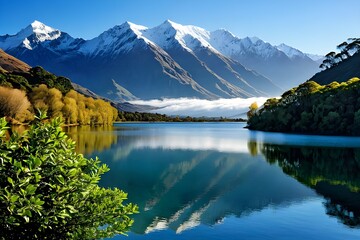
<point x="332" y="109"/>
<point x="48" y="191"/>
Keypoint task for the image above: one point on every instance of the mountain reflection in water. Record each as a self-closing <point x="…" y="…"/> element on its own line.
<point x="186" y="175"/>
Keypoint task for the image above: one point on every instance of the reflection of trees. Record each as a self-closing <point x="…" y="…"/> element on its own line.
<point x="332" y="172"/>
<point x="341" y="203"/>
<point x="92" y="138"/>
<point x="253" y="148"/>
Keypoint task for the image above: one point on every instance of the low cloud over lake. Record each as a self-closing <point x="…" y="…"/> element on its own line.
<point x="230" y="108"/>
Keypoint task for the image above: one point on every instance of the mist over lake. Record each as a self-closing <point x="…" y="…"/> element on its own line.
<point x="230" y="108"/>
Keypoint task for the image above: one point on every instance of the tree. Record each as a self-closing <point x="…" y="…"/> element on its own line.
<point x="13" y="102"/>
<point x="252" y="110"/>
<point x="38" y="97"/>
<point x="69" y="111"/>
<point x="55" y="102"/>
<point x="356" y="127"/>
<point x="338" y="57"/>
<point x="354" y="45"/>
<point x="330" y="58"/>
<point x="48" y="191"/>
<point x="343" y="47"/>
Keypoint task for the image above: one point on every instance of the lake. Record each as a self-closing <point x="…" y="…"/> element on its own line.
<point x="221" y="181"/>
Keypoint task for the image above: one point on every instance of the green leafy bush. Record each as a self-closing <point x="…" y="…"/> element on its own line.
<point x="48" y="191"/>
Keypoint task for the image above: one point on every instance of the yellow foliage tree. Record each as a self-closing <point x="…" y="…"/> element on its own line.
<point x="54" y="98"/>
<point x="74" y="107"/>
<point x="13" y="103"/>
<point x="252" y="110"/>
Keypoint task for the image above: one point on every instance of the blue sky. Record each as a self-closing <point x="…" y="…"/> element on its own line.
<point x="314" y="26"/>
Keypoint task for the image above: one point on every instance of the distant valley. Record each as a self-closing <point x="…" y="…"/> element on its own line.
<point x="130" y="62"/>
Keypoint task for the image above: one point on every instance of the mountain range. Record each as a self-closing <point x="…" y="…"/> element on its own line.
<point x="130" y="61"/>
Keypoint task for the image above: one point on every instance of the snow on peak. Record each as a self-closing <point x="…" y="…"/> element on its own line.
<point x="124" y="37"/>
<point x="40" y="27"/>
<point x="290" y="51"/>
<point x="135" y="27"/>
<point x="31" y="35"/>
<point x="224" y="32"/>
<point x="231" y="45"/>
<point x="117" y="39"/>
<point x="169" y="33"/>
<point x="44" y="32"/>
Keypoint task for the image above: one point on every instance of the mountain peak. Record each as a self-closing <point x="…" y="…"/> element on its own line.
<point x="169" y="32"/>
<point x="290" y="51"/>
<point x="171" y="23"/>
<point x="223" y="32"/>
<point x="44" y="32"/>
<point x="37" y="24"/>
<point x="41" y="31"/>
<point x="169" y="27"/>
<point x="134" y="27"/>
<point x="253" y="40"/>
<point x="168" y="21"/>
<point x="28" y="37"/>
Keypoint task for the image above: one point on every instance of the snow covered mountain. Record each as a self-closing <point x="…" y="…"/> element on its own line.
<point x="284" y="65"/>
<point x="132" y="61"/>
<point x="294" y="53"/>
<point x="37" y="34"/>
<point x="291" y="52"/>
<point x="38" y="44"/>
<point x="30" y="36"/>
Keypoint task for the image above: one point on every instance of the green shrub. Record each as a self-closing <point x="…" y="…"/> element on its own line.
<point x="48" y="191"/>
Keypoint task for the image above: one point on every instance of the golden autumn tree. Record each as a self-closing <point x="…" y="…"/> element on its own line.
<point x="13" y="103"/>
<point x="38" y="97"/>
<point x="55" y="100"/>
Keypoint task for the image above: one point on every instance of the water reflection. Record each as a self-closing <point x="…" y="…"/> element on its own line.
<point x="186" y="175"/>
<point x="92" y="138"/>
<point x="182" y="189"/>
<point x="332" y="172"/>
<point x="183" y="177"/>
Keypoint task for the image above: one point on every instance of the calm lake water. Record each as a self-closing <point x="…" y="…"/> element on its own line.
<point x="221" y="181"/>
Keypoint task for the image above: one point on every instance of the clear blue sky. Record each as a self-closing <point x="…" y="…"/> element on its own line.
<point x="314" y="26"/>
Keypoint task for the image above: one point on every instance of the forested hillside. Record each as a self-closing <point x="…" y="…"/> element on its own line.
<point x="312" y="108"/>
